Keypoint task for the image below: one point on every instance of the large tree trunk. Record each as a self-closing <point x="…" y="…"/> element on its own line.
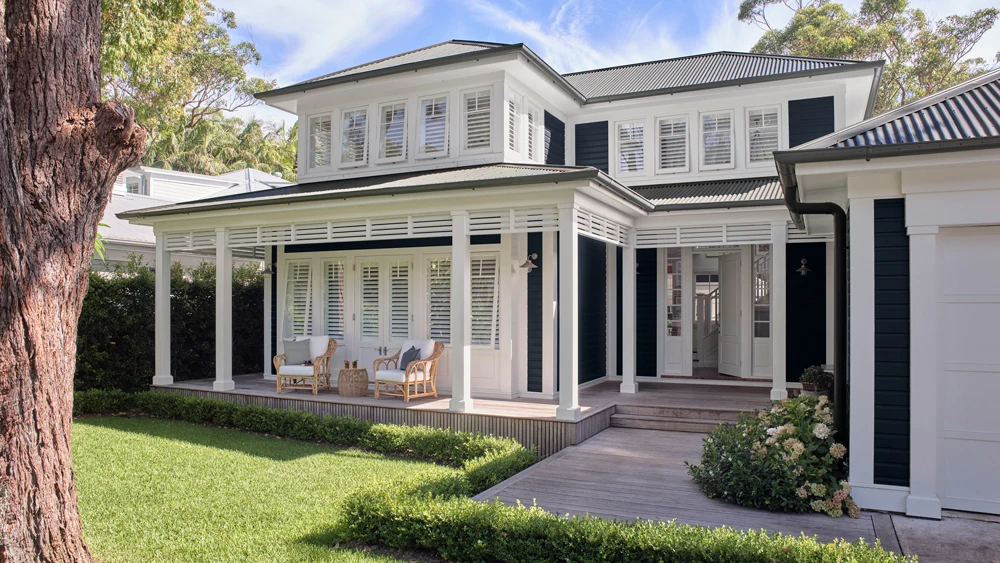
<point x="60" y="151"/>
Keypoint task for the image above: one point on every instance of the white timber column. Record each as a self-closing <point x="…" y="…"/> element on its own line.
<point x="778" y="306"/>
<point x="569" y="274"/>
<point x="550" y="305"/>
<point x="223" y="312"/>
<point x="461" y="313"/>
<point x="628" y="317"/>
<point x="925" y="321"/>
<point x="505" y="285"/>
<point x="746" y="310"/>
<point x="862" y="343"/>
<point x="687" y="311"/>
<point x="519" y="311"/>
<point x="611" y="284"/>
<point x="268" y="353"/>
<point x="161" y="301"/>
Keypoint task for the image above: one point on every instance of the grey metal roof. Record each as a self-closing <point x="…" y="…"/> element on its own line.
<point x="716" y="193"/>
<point x="118" y="230"/>
<point x="692" y="71"/>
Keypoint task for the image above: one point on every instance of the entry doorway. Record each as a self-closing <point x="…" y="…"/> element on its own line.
<point x="383" y="297"/>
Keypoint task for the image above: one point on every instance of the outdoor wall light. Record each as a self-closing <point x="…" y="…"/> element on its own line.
<point x="528" y="264"/>
<point x="803" y="269"/>
<point x="270" y="269"/>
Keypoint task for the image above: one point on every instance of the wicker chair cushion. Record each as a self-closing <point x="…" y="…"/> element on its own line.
<point x="297" y="352"/>
<point x="295" y="370"/>
<point x="409" y="355"/>
<point x="394" y="375"/>
<point x="426" y="347"/>
<point x="317" y="345"/>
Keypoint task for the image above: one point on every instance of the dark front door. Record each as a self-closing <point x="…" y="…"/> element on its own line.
<point x="806" y="308"/>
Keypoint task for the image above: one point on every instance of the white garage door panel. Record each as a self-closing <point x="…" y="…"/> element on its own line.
<point x="969" y="383"/>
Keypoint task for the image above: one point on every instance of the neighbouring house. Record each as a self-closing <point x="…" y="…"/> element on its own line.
<point x="142" y="187"/>
<point x="627" y="225"/>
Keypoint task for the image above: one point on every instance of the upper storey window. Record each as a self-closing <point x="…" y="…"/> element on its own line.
<point x="476" y="119"/>
<point x="762" y="134"/>
<point x="392" y="131"/>
<point x="514" y="104"/>
<point x="320" y="141"/>
<point x="536" y="138"/>
<point x="433" y="126"/>
<point x="672" y="144"/>
<point x="354" y="137"/>
<point x="717" y="140"/>
<point x="629" y="137"/>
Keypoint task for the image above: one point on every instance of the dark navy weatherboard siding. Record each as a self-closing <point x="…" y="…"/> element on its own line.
<point x="555" y="140"/>
<point x="274" y="304"/>
<point x="892" y="344"/>
<point x="645" y="313"/>
<point x="383" y="244"/>
<point x="592" y="323"/>
<point x="809" y="119"/>
<point x="805" y="322"/>
<point x="535" y="315"/>
<point x="592" y="145"/>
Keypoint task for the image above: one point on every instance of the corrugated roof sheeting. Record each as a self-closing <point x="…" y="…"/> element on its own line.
<point x="440" y="50"/>
<point x="970" y="114"/>
<point x="691" y="71"/>
<point x="720" y="192"/>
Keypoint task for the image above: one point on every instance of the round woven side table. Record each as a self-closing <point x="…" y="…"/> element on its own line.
<point x="352" y="382"/>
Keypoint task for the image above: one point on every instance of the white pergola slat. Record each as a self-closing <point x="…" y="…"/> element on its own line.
<point x="703" y="235"/>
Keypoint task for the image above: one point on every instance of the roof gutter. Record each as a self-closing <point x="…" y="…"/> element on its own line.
<point x="873" y="94"/>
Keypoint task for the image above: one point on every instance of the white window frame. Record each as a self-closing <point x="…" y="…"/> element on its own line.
<point x="345" y="290"/>
<point x="514" y="122"/>
<point x="701" y="141"/>
<point x="309" y="321"/>
<point x="340" y="136"/>
<point x="463" y="132"/>
<point x="768" y="162"/>
<point x="381" y="132"/>
<point x="310" y="161"/>
<point x="534" y="147"/>
<point x="421" y="120"/>
<point x="687" y="144"/>
<point x="618" y="150"/>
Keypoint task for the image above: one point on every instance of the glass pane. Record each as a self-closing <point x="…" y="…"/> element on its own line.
<point x="674" y="296"/>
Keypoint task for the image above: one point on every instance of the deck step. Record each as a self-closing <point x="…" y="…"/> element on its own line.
<point x="676" y="424"/>
<point x="728" y="415"/>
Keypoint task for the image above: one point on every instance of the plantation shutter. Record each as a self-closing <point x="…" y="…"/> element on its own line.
<point x="673" y="143"/>
<point x="514" y="122"/>
<point x="717" y="139"/>
<point x="476" y="119"/>
<point x="298" y="300"/>
<point x="320" y="141"/>
<point x="399" y="301"/>
<point x="439" y="299"/>
<point x="354" y="137"/>
<point x="370" y="301"/>
<point x="762" y="126"/>
<point x="485" y="300"/>
<point x="392" y="142"/>
<point x="434" y="126"/>
<point x="535" y="138"/>
<point x="335" y="321"/>
<point x="630" y="156"/>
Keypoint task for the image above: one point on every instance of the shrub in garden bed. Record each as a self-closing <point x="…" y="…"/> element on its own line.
<point x="784" y="459"/>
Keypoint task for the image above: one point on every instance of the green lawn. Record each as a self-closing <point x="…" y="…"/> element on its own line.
<point x="155" y="490"/>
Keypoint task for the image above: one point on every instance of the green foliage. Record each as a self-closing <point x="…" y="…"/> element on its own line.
<point x="115" y="338"/>
<point x="922" y="56"/>
<point x="785" y="459"/>
<point x="460" y="529"/>
<point x="486" y="460"/>
<point x="818" y="376"/>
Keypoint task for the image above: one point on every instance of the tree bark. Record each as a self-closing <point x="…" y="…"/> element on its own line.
<point x="60" y="152"/>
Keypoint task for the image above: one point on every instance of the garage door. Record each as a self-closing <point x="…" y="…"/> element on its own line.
<point x="969" y="383"/>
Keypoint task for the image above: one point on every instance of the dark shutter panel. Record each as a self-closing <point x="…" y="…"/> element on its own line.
<point x="619" y="257"/>
<point x="592" y="145"/>
<point x="892" y="344"/>
<point x="592" y="322"/>
<point x="805" y="299"/>
<point x="274" y="305"/>
<point x="555" y="140"/>
<point x="645" y="312"/>
<point x="535" y="315"/>
<point x="809" y="119"/>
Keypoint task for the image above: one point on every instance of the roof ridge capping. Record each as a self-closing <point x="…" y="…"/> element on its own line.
<point x="715" y="53"/>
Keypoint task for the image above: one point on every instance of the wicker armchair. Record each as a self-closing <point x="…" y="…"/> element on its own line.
<point x="314" y="377"/>
<point x="419" y="379"/>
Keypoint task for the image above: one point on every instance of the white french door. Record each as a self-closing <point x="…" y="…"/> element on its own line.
<point x="384" y="310"/>
<point x="730" y="318"/>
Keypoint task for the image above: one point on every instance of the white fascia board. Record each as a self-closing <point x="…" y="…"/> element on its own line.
<point x="930" y="160"/>
<point x="527" y="76"/>
<point x="187" y="177"/>
<point x="730" y="216"/>
<point x="598" y="200"/>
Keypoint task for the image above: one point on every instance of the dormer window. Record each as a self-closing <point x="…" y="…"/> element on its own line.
<point x="320" y="141"/>
<point x="535" y="136"/>
<point x="136" y="185"/>
<point x="433" y="129"/>
<point x="354" y="137"/>
<point x="514" y="102"/>
<point x="392" y="131"/>
<point x="476" y="120"/>
<point x="631" y="159"/>
<point x="717" y="140"/>
<point x="762" y="134"/>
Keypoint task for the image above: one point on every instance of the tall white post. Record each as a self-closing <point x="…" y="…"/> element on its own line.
<point x="862" y="352"/>
<point x="519" y="311"/>
<point x="223" y="312"/>
<point x="628" y="318"/>
<point x="506" y="283"/>
<point x="550" y="306"/>
<point x="611" y="298"/>
<point x="924" y="368"/>
<point x="161" y="302"/>
<point x="268" y="353"/>
<point x="746" y="311"/>
<point x="687" y="311"/>
<point x="461" y="314"/>
<point x="569" y="389"/>
<point x="778" y="289"/>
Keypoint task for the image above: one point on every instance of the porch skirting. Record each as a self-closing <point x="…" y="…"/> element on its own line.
<point x="546" y="436"/>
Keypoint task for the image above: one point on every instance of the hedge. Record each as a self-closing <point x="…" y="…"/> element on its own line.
<point x="115" y="337"/>
<point x="436" y="516"/>
<point x="486" y="460"/>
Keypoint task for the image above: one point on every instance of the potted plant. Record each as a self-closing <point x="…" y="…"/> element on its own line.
<point x="816" y="381"/>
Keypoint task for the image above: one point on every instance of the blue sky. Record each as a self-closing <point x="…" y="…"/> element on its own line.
<point x="299" y="39"/>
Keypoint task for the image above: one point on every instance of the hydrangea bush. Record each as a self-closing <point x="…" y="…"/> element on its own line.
<point x="785" y="459"/>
